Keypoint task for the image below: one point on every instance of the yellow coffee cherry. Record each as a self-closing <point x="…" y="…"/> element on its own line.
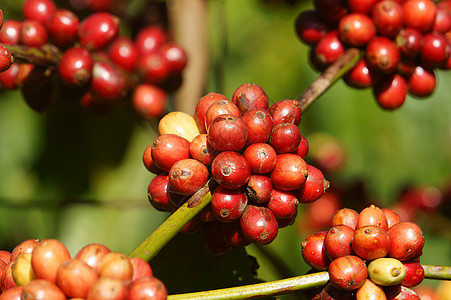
<point x="386" y="271"/>
<point x="179" y="123"/>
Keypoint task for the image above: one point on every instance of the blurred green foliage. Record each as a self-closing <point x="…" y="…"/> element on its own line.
<point x="79" y="177"/>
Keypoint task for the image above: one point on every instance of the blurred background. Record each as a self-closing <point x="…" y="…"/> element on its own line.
<point x="79" y="177"/>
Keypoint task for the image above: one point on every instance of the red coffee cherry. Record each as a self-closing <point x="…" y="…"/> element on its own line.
<point x="167" y="149"/>
<point x="283" y="204"/>
<point x="419" y="14"/>
<point x="261" y="158"/>
<point x="313" y="251"/>
<point x="345" y="216"/>
<point x="6" y="60"/>
<point x="286" y="111"/>
<point x="371" y="242"/>
<point x="390" y="92"/>
<point x="75" y="277"/>
<point x="123" y="52"/>
<point x="414" y="274"/>
<point x="202" y="106"/>
<point x="187" y="176"/>
<point x="153" y="68"/>
<point x="442" y="21"/>
<point x="422" y="82"/>
<point x="47" y="257"/>
<point x="314" y="187"/>
<point x="372" y="215"/>
<point x="38" y="10"/>
<point x="92" y="254"/>
<point x="388" y="17"/>
<point x="356" y="29"/>
<point x="303" y="147"/>
<point x="310" y="28"/>
<point x="230" y="169"/>
<point x="361" y="6"/>
<point x="289" y="173"/>
<point x="329" y="49"/>
<point x="116" y="265"/>
<point x="382" y="54"/>
<point x="108" y="82"/>
<point x="399" y="292"/>
<point x="392" y="216"/>
<point x="228" y="204"/>
<point x="331" y="10"/>
<point x="108" y="288"/>
<point x="348" y="272"/>
<point x="2" y="19"/>
<point x="149" y="101"/>
<point x="98" y="30"/>
<point x="259" y="188"/>
<point x="259" y="225"/>
<point x="9" y="33"/>
<point x="227" y="133"/>
<point x="285" y="138"/>
<point x="37" y="89"/>
<point x="233" y="235"/>
<point x="26" y="246"/>
<point x="360" y="76"/>
<point x="201" y="150"/>
<point x="258" y="124"/>
<point x="150" y="39"/>
<point x="75" y="67"/>
<point x="409" y="42"/>
<point x="436" y="49"/>
<point x="406" y="241"/>
<point x="33" y="34"/>
<point x="145" y="286"/>
<point x="141" y="268"/>
<point x="63" y="27"/>
<point x="221" y="107"/>
<point x="42" y="288"/>
<point x="337" y="241"/>
<point x="250" y="96"/>
<point x="175" y="55"/>
<point x="160" y="194"/>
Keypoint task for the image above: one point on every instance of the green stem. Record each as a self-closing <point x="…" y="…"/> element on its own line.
<point x="329" y="77"/>
<point x="437" y="272"/>
<point x="272" y="288"/>
<point x="173" y="224"/>
<point x="47" y="55"/>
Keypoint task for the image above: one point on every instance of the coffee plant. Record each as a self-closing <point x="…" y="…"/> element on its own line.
<point x="243" y="192"/>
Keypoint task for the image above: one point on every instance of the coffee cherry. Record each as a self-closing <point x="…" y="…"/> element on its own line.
<point x="414" y="274"/>
<point x="283" y="204"/>
<point x="12" y="293"/>
<point x="6" y="60"/>
<point x="331" y="10"/>
<point x="360" y="76"/>
<point x="372" y="215"/>
<point x="26" y="246"/>
<point x="107" y="288"/>
<point x="233" y="235"/>
<point x="419" y="14"/>
<point x="201" y="150"/>
<point x="370" y="242"/>
<point x="115" y="265"/>
<point x="289" y="173"/>
<point x="5" y="256"/>
<point x="313" y="251"/>
<point x="187" y="176"/>
<point x="38" y="10"/>
<point x="221" y="107"/>
<point x="370" y="290"/>
<point x="9" y="33"/>
<point x="202" y="106"/>
<point x="33" y="34"/>
<point x="386" y="271"/>
<point x="2" y="19"/>
<point x="314" y="187"/>
<point x="347" y="272"/>
<point x="62" y="26"/>
<point x="390" y="92"/>
<point x="388" y="17"/>
<point x="401" y="293"/>
<point x="47" y="257"/>
<point x="123" y="52"/>
<point x="361" y="6"/>
<point x="356" y="29"/>
<point x="21" y="269"/>
<point x="391" y="216"/>
<point x="175" y="55"/>
<point x="108" y="82"/>
<point x="179" y="123"/>
<point x="42" y="289"/>
<point x="329" y="49"/>
<point x="7" y="279"/>
<point x="160" y="194"/>
<point x="98" y="30"/>
<point x="422" y="82"/>
<point x="92" y="254"/>
<point x="75" y="67"/>
<point x="250" y="96"/>
<point x="285" y="138"/>
<point x="149" y="101"/>
<point x="167" y="149"/>
<point x="409" y="42"/>
<point x="337" y="242"/>
<point x="303" y="147"/>
<point x="228" y="204"/>
<point x="227" y="133"/>
<point x="442" y="21"/>
<point x="345" y="216"/>
<point x="150" y="39"/>
<point x="259" y="188"/>
<point x="230" y="169"/>
<point x="153" y="68"/>
<point x="143" y="287"/>
<point x="382" y="54"/>
<point x="435" y="50"/>
<point x="141" y="268"/>
<point x="329" y="292"/>
<point x="406" y="241"/>
<point x="258" y="124"/>
<point x="309" y="27"/>
<point x="75" y="277"/>
<point x="37" y="89"/>
<point x="258" y="224"/>
<point x="261" y="158"/>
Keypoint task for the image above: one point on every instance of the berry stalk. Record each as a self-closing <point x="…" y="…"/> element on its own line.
<point x="333" y="73"/>
<point x="437" y="272"/>
<point x="47" y="55"/>
<point x="272" y="288"/>
<point x="173" y="224"/>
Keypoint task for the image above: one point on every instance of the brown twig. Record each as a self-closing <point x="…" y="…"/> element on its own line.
<point x="48" y="55"/>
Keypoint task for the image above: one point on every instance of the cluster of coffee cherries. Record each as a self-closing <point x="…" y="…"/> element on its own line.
<point x="44" y="269"/>
<point x="95" y="65"/>
<point x="403" y="42"/>
<point x="368" y="253"/>
<point x="255" y="154"/>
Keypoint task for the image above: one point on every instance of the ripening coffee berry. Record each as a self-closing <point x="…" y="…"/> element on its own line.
<point x="175" y="55"/>
<point x="386" y="271"/>
<point x="259" y="225"/>
<point x="289" y="173"/>
<point x="382" y="54"/>
<point x="310" y="28"/>
<point x="227" y="133"/>
<point x="370" y="242"/>
<point x="422" y="82"/>
<point x="250" y="96"/>
<point x="419" y="14"/>
<point x="33" y="34"/>
<point x="406" y="241"/>
<point x="75" y="67"/>
<point x="221" y="107"/>
<point x="372" y="215"/>
<point x="187" y="176"/>
<point x="167" y="149"/>
<point x="38" y="10"/>
<point x="345" y="216"/>
<point x="98" y="30"/>
<point x="230" y="169"/>
<point x="314" y="187"/>
<point x="338" y="240"/>
<point x="313" y="251"/>
<point x="108" y="82"/>
<point x="283" y="204"/>
<point x="150" y="39"/>
<point x="414" y="274"/>
<point x="228" y="204"/>
<point x="9" y="33"/>
<point x="261" y="158"/>
<point x="123" y="52"/>
<point x="388" y="17"/>
<point x="356" y="29"/>
<point x="258" y="124"/>
<point x="202" y="106"/>
<point x="149" y="101"/>
<point x="259" y="188"/>
<point x="63" y="27"/>
<point x="286" y="111"/>
<point x="390" y="92"/>
<point x="329" y="48"/>
<point x="348" y="272"/>
<point x="201" y="150"/>
<point x="6" y="59"/>
<point x="285" y="138"/>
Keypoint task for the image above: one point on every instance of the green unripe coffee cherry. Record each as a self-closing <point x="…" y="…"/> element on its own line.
<point x="386" y="271"/>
